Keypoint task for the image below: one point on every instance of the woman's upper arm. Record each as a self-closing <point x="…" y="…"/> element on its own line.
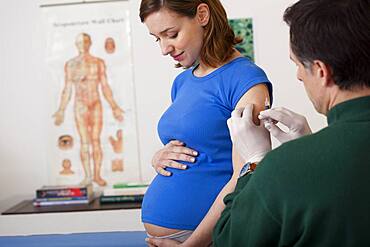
<point x="256" y="95"/>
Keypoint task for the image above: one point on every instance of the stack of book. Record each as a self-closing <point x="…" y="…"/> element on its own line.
<point x="126" y="192"/>
<point x="63" y="195"/>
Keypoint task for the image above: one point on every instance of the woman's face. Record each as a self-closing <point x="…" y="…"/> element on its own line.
<point x="179" y="36"/>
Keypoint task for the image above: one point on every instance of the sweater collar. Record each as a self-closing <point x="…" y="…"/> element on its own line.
<point x="350" y="110"/>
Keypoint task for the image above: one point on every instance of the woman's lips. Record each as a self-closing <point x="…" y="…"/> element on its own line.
<point x="179" y="57"/>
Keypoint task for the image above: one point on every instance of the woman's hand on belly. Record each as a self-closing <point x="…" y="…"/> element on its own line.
<point x="170" y="154"/>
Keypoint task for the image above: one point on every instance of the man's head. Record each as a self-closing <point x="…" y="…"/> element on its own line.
<point x="333" y="36"/>
<point x="83" y="42"/>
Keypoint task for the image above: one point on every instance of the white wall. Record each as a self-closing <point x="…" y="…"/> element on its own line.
<point x="22" y="87"/>
<point x="73" y="222"/>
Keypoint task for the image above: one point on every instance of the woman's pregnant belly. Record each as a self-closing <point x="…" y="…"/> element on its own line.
<point x="181" y="201"/>
<point x="158" y="231"/>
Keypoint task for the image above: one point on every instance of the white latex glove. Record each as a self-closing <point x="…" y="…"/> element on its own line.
<point x="252" y="142"/>
<point x="297" y="124"/>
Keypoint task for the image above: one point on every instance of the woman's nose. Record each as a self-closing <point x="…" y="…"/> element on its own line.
<point x="166" y="48"/>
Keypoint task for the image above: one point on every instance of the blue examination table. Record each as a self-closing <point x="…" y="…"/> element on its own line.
<point x="99" y="239"/>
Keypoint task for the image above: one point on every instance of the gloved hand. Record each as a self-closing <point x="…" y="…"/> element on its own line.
<point x="252" y="142"/>
<point x="297" y="124"/>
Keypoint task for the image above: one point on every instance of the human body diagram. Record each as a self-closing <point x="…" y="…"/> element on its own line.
<point x="86" y="74"/>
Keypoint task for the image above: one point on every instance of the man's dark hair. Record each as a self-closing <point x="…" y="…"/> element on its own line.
<point x="336" y="32"/>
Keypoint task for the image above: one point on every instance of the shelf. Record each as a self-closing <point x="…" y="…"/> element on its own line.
<point x="26" y="207"/>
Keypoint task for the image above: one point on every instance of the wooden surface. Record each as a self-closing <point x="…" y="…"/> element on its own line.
<point x="26" y="207"/>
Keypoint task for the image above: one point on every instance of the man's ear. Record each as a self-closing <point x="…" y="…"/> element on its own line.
<point x="323" y="72"/>
<point x="203" y="14"/>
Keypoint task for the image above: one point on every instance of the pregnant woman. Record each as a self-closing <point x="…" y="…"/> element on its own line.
<point x="197" y="166"/>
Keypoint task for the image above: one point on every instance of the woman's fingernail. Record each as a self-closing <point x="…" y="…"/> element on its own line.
<point x="195" y="153"/>
<point x="184" y="167"/>
<point x="192" y="159"/>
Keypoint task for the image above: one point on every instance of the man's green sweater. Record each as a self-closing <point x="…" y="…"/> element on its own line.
<point x="313" y="191"/>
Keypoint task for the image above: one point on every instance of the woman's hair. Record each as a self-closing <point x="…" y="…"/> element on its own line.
<point x="219" y="38"/>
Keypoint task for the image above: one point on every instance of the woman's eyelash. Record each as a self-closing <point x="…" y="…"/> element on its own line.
<point x="173" y="36"/>
<point x="170" y="36"/>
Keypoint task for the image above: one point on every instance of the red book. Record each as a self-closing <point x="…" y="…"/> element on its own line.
<point x="64" y="191"/>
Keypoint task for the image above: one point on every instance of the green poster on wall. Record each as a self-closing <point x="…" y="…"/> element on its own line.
<point x="244" y="28"/>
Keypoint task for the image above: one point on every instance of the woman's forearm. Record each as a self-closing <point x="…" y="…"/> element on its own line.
<point x="202" y="236"/>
